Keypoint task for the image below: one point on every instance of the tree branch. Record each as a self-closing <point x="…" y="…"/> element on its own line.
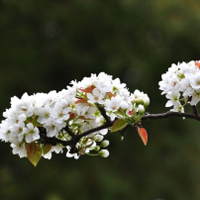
<point x="75" y="138"/>
<point x="170" y="114"/>
<point x="70" y="132"/>
<point x="106" y="125"/>
<point x="103" y="113"/>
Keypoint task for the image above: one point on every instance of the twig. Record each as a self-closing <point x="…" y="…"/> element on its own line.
<point x="170" y="114"/>
<point x="106" y="125"/>
<point x="103" y="113"/>
<point x="75" y="138"/>
<point x="70" y="132"/>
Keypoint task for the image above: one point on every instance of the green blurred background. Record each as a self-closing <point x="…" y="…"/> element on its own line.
<point x="46" y="44"/>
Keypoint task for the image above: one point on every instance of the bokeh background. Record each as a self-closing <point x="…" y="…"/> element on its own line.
<point x="46" y="44"/>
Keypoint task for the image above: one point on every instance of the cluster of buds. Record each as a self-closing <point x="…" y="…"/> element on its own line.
<point x="67" y="121"/>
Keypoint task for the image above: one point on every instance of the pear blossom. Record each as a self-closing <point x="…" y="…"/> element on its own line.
<point x="30" y="132"/>
<point x="113" y="104"/>
<point x="195" y="81"/>
<point x="195" y="97"/>
<point x="181" y="85"/>
<point x="5" y="131"/>
<point x="17" y="129"/>
<point x="52" y="127"/>
<point x="85" y="111"/>
<point x="96" y="96"/>
<point x="44" y="114"/>
<point x="19" y="149"/>
<point x="60" y="116"/>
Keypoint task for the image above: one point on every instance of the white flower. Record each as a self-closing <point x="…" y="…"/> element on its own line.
<point x="124" y="105"/>
<point x="31" y="133"/>
<point x="85" y="111"/>
<point x="113" y="104"/>
<point x="170" y="83"/>
<point x="185" y="87"/>
<point x="195" y="81"/>
<point x="52" y="98"/>
<point x="24" y="107"/>
<point x="60" y="114"/>
<point x="19" y="149"/>
<point x="17" y="129"/>
<point x="53" y="128"/>
<point x="43" y="113"/>
<point x="195" y="97"/>
<point x="173" y="99"/>
<point x="103" y="82"/>
<point x="96" y="96"/>
<point x="54" y="110"/>
<point x="38" y="100"/>
<point x="178" y="108"/>
<point x="181" y="81"/>
<point x="117" y="83"/>
<point x="5" y="131"/>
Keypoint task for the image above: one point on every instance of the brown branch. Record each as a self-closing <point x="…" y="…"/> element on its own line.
<point x="70" y="132"/>
<point x="75" y="138"/>
<point x="103" y="113"/>
<point x="52" y="140"/>
<point x="170" y="114"/>
<point x="99" y="128"/>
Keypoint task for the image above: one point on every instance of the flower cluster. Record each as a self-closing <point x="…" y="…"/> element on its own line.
<point x="181" y="85"/>
<point x="38" y="122"/>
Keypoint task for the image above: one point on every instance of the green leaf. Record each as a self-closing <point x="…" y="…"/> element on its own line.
<point x="34" y="153"/>
<point x="46" y="148"/>
<point x="118" y="125"/>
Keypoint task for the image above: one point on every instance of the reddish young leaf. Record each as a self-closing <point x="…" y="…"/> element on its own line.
<point x="131" y="112"/>
<point x="143" y="135"/>
<point x="118" y="125"/>
<point x="71" y="116"/>
<point x="34" y="153"/>
<point x="87" y="90"/>
<point x="197" y="64"/>
<point x="110" y="94"/>
<point x="81" y="101"/>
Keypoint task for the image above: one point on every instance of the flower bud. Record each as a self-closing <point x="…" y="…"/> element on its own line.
<point x="146" y="101"/>
<point x="104" y="153"/>
<point x="96" y="148"/>
<point x="139" y="100"/>
<point x="105" y="143"/>
<point x="141" y="108"/>
<point x="98" y="138"/>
